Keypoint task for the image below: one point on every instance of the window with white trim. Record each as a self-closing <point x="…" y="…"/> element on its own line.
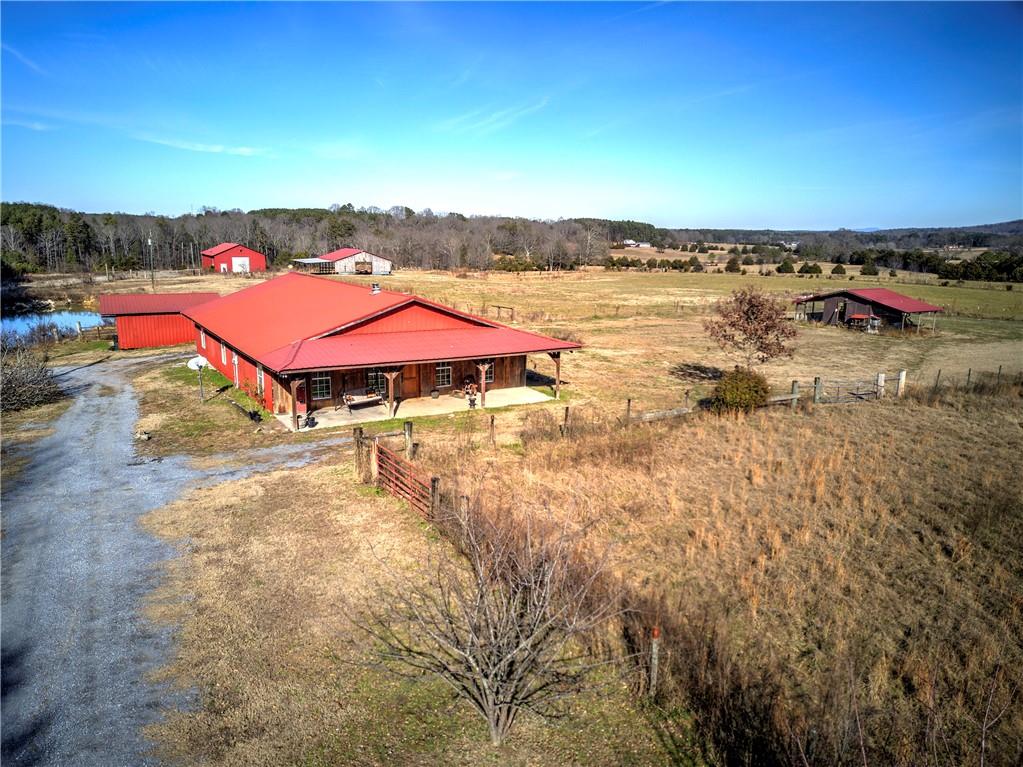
<point x="442" y="376"/>
<point x="202" y="338"/>
<point x="321" y="385"/>
<point x="223" y="354"/>
<point x="489" y="378"/>
<point x="259" y="380"/>
<point x="376" y="380"/>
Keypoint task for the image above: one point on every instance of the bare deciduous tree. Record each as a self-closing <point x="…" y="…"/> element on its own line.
<point x="751" y="326"/>
<point x="502" y="622"/>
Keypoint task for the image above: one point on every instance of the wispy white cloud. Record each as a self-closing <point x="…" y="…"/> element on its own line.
<point x="482" y="122"/>
<point x="194" y="146"/>
<point x="28" y="124"/>
<point x="466" y="74"/>
<point x="24" y="59"/>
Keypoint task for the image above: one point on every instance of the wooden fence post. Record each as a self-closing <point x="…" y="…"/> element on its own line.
<point x="900" y="384"/>
<point x="655" y="653"/>
<point x="998" y="380"/>
<point x="564" y="425"/>
<point x="937" y="380"/>
<point x="795" y="396"/>
<point x="628" y="411"/>
<point x="434" y="496"/>
<point x="818" y="390"/>
<point x="360" y="461"/>
<point x="78" y="325"/>
<point x="493" y="431"/>
<point x="969" y="374"/>
<point x="407" y="428"/>
<point x="879" y="385"/>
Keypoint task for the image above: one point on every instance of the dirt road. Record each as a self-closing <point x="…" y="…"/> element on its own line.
<point x="76" y="567"/>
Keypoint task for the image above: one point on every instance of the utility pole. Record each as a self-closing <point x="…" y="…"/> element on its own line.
<point x="152" y="265"/>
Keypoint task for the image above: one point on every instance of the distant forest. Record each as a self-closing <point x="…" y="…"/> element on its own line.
<point x="36" y="237"/>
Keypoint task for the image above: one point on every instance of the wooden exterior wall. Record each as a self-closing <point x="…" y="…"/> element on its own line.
<point x="415" y="381"/>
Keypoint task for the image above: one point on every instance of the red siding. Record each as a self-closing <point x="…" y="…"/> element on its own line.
<point x="141" y="331"/>
<point x="257" y="261"/>
<point x="246" y="367"/>
<point x="412" y="317"/>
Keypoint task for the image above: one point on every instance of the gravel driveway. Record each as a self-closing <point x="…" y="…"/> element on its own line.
<point x="76" y="567"/>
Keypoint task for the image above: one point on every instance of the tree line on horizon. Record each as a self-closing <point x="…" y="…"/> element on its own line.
<point x="44" y="238"/>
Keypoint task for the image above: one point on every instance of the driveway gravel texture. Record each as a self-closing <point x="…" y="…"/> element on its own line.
<point x="76" y="567"/>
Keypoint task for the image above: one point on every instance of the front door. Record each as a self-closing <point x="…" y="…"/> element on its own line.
<point x="410" y="382"/>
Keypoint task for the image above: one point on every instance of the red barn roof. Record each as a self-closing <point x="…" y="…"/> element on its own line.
<point x="218" y="249"/>
<point x="113" y="304"/>
<point x="299" y="321"/>
<point x="880" y="296"/>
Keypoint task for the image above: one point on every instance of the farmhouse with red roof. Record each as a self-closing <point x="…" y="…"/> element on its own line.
<point x="232" y="257"/>
<point x="866" y="307"/>
<point x="345" y="261"/>
<point x="302" y="343"/>
<point x="151" y="319"/>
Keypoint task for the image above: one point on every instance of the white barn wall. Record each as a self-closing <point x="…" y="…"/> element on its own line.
<point x="347" y="265"/>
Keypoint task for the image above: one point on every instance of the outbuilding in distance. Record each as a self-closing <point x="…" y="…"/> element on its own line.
<point x="867" y="309"/>
<point x="230" y="257"/>
<point x="345" y="261"/>
<point x="144" y="320"/>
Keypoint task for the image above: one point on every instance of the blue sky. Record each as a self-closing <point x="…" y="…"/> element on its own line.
<point x="723" y="115"/>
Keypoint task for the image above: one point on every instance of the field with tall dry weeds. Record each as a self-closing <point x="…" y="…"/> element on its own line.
<point x="842" y="585"/>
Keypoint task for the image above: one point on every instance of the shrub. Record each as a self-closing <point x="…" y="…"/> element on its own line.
<point x="838" y="269"/>
<point x="25" y="379"/>
<point x="869" y="268"/>
<point x="732" y="265"/>
<point x="740" y="390"/>
<point x="786" y="267"/>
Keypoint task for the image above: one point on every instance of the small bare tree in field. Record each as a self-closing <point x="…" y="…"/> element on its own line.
<point x="751" y="326"/>
<point x="502" y="622"/>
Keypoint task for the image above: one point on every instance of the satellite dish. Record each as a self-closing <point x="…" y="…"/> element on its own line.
<point x="198" y="363"/>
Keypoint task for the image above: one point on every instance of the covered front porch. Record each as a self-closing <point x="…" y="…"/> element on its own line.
<point x="329" y="417"/>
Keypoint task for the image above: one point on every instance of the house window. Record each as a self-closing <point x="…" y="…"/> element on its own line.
<point x="321" y="385"/>
<point x="223" y="354"/>
<point x="376" y="380"/>
<point x="489" y="378"/>
<point x="443" y="374"/>
<point x="259" y="380"/>
<point x="202" y="338"/>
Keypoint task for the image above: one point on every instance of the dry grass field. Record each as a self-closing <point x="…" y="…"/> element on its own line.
<point x="259" y="596"/>
<point x="836" y="581"/>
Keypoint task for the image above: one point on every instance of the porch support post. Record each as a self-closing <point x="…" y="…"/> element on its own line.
<point x="308" y="394"/>
<point x="483" y="382"/>
<point x="556" y="356"/>
<point x="294" y="403"/>
<point x="391" y="375"/>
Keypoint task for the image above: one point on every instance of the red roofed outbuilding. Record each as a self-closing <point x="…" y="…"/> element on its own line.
<point x="842" y="307"/>
<point x="232" y="257"/>
<point x="301" y="343"/>
<point x="145" y="320"/>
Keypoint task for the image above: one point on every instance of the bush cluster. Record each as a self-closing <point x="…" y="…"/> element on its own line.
<point x="740" y="390"/>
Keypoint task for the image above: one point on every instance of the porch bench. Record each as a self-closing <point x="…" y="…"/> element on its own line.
<point x="357" y="398"/>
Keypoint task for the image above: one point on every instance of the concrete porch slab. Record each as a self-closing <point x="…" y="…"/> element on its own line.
<point x="420" y="406"/>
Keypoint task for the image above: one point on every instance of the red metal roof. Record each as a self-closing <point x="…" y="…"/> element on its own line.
<point x="290" y="308"/>
<point x="337" y="255"/>
<point x="881" y="296"/>
<point x="346" y="350"/>
<point x="113" y="304"/>
<point x="219" y="248"/>
<point x="284" y="324"/>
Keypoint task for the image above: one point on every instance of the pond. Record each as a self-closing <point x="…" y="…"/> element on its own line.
<point x="65" y="320"/>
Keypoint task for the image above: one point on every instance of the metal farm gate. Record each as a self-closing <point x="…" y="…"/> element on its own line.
<point x="834" y="390"/>
<point x="398" y="477"/>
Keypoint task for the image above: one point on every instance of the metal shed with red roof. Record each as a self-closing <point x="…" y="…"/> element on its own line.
<point x="345" y="261"/>
<point x="145" y="320"/>
<point x="300" y="343"/>
<point x="842" y="307"/>
<point x="234" y="258"/>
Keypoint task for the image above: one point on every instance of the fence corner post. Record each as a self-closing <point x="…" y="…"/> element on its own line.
<point x="360" y="458"/>
<point x="900" y="384"/>
<point x="794" y="403"/>
<point x="818" y="390"/>
<point x="407" y="428"/>
<point x="879" y="385"/>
